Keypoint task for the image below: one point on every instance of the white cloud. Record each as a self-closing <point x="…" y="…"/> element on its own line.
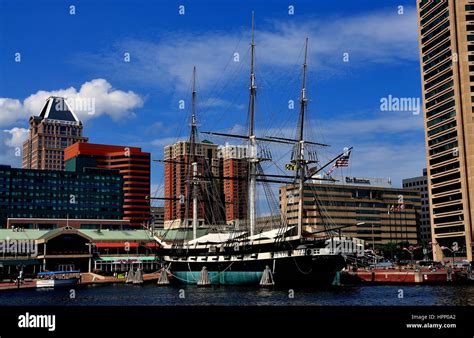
<point x="376" y="37"/>
<point x="161" y="142"/>
<point x="11" y="146"/>
<point x="387" y="145"/>
<point x="156" y="127"/>
<point x="355" y="127"/>
<point x="384" y="123"/>
<point x="395" y="161"/>
<point x="214" y="102"/>
<point x="95" y="98"/>
<point x="18" y="136"/>
<point x="11" y="111"/>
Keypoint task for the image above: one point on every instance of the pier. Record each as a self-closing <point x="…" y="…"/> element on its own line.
<point x="86" y="279"/>
<point x="405" y="275"/>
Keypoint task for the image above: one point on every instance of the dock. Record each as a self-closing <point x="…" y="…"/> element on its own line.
<point x="86" y="279"/>
<point x="92" y="278"/>
<point x="29" y="284"/>
<point x="401" y="276"/>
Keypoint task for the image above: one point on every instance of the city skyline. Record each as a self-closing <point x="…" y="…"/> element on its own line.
<point x="304" y="157"/>
<point x="139" y="99"/>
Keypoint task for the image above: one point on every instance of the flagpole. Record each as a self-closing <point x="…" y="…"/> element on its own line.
<point x="389" y="225"/>
<point x="399" y="229"/>
<point x="401" y="223"/>
<point x="390" y="232"/>
<point x="406" y="224"/>
<point x="395" y="221"/>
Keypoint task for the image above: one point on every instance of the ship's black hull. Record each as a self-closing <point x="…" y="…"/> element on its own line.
<point x="290" y="271"/>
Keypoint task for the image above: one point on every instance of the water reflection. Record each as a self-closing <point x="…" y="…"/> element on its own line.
<point x="150" y="294"/>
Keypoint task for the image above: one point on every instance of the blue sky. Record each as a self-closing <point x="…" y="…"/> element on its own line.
<point x="137" y="103"/>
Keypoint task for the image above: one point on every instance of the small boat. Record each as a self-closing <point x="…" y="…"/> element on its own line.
<point x="51" y="279"/>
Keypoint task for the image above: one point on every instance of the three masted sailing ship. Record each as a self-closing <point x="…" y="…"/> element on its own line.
<point x="283" y="255"/>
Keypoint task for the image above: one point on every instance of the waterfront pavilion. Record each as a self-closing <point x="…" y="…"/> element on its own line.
<point x="67" y="248"/>
<point x="120" y="251"/>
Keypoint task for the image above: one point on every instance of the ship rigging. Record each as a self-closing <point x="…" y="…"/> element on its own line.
<point x="280" y="255"/>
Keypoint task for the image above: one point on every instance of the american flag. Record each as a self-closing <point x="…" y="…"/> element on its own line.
<point x="400" y="207"/>
<point x="342" y="161"/>
<point x="396" y="208"/>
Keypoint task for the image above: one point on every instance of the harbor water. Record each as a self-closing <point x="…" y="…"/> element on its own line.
<point x="151" y="294"/>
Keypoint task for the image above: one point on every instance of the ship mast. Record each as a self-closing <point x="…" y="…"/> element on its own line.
<point x="251" y="138"/>
<point x="253" y="160"/>
<point x="193" y="115"/>
<point x="300" y="162"/>
<point x="192" y="164"/>
<point x="193" y="152"/>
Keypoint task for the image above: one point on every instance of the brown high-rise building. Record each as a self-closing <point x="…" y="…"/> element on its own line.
<point x="367" y="208"/>
<point x="446" y="34"/>
<point x="56" y="128"/>
<point x="234" y="167"/>
<point x="132" y="164"/>
<point x="178" y="212"/>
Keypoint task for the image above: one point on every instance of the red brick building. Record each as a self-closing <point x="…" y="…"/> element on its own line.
<point x="235" y="165"/>
<point x="178" y="213"/>
<point x="220" y="201"/>
<point x="133" y="165"/>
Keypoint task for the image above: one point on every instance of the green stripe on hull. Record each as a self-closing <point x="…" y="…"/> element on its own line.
<point x="220" y="278"/>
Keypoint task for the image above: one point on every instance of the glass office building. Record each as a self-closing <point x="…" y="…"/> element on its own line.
<point x="90" y="194"/>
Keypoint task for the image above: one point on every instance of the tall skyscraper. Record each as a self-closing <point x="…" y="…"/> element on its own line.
<point x="178" y="175"/>
<point x="234" y="167"/>
<point x="56" y="128"/>
<point x="446" y="36"/>
<point x="420" y="183"/>
<point x="132" y="164"/>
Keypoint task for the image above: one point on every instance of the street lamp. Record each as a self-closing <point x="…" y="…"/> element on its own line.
<point x="452" y="251"/>
<point x="411" y="249"/>
<point x="362" y="223"/>
<point x="373" y="240"/>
